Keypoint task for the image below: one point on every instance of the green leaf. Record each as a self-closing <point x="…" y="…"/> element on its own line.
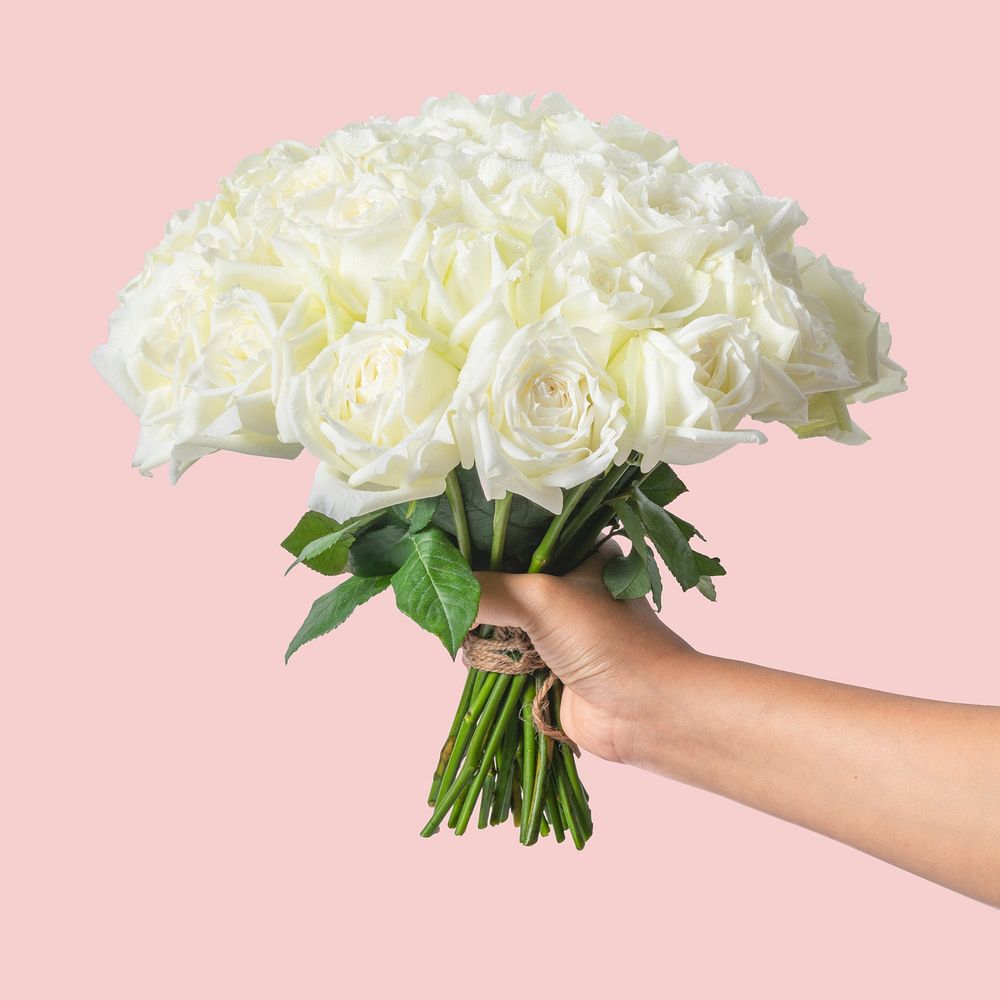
<point x="324" y="543"/>
<point x="423" y="511"/>
<point x="627" y="577"/>
<point x="687" y="529"/>
<point x="655" y="581"/>
<point x="436" y="588"/>
<point x="662" y="485"/>
<point x="669" y="539"/>
<point x="313" y="525"/>
<point x="416" y="514"/>
<point x="381" y="551"/>
<point x="335" y="608"/>
<point x="641" y="555"/>
<point x="708" y="565"/>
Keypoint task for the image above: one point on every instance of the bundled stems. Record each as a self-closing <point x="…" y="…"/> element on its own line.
<point x="500" y="761"/>
<point x="494" y="757"/>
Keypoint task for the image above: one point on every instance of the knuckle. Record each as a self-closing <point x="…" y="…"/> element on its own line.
<point x="542" y="591"/>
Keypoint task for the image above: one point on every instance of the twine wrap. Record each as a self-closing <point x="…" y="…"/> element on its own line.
<point x="509" y="651"/>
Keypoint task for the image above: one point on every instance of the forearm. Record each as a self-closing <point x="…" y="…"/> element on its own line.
<point x="914" y="782"/>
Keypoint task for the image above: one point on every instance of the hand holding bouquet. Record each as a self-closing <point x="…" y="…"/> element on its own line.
<point x="497" y="327"/>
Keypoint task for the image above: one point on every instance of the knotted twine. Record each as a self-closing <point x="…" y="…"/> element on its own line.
<point x="510" y="651"/>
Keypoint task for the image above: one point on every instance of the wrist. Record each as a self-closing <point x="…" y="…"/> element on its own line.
<point x="670" y="728"/>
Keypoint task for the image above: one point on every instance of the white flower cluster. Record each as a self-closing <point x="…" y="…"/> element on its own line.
<point x="492" y="283"/>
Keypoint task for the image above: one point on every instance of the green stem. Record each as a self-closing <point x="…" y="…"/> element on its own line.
<point x="594" y="501"/>
<point x="453" y="491"/>
<point x="505" y="773"/>
<point x="459" y="818"/>
<point x="501" y="515"/>
<point x="456" y="812"/>
<point x="487" y="799"/>
<point x="543" y="754"/>
<point x="515" y="790"/>
<point x="552" y="810"/>
<point x="538" y="789"/>
<point x="528" y="738"/>
<point x="570" y="813"/>
<point x="449" y="743"/>
<point x="544" y="552"/>
<point x="578" y="796"/>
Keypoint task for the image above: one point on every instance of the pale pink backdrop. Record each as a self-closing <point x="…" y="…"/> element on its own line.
<point x="183" y="816"/>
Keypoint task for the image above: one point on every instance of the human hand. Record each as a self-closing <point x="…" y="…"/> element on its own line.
<point x="607" y="653"/>
<point x="912" y="781"/>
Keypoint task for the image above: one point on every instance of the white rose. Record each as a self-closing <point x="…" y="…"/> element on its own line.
<point x="202" y="225"/>
<point x="320" y="207"/>
<point x="536" y="411"/>
<point x="355" y="232"/>
<point x="891" y="375"/>
<point x="859" y="334"/>
<point x="360" y="145"/>
<point x="286" y="170"/>
<point x="373" y="408"/>
<point x="686" y="391"/>
<point x="617" y="289"/>
<point x="450" y="278"/>
<point x="197" y="349"/>
<point x="798" y="355"/>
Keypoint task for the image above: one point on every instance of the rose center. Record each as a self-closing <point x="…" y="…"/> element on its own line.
<point x="371" y="378"/>
<point x="550" y="392"/>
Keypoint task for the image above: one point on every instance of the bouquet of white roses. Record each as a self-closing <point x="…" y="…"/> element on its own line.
<point x="497" y="327"/>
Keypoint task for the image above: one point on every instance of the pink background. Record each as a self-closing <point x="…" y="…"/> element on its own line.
<point x="185" y="817"/>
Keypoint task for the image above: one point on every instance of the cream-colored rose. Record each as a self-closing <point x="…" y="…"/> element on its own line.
<point x="197" y="350"/>
<point x="450" y="278"/>
<point x="859" y="334"/>
<point x="354" y="232"/>
<point x="613" y="287"/>
<point x="536" y="411"/>
<point x="798" y="355"/>
<point x="686" y="390"/>
<point x="891" y="375"/>
<point x="287" y="170"/>
<point x="373" y="408"/>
